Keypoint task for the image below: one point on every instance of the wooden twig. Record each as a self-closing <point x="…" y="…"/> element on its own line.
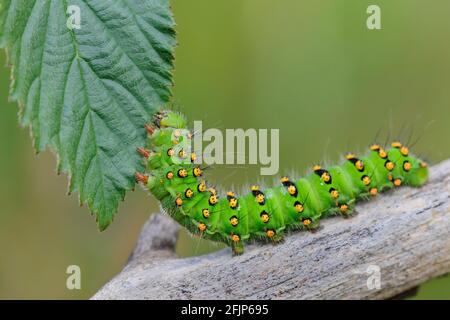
<point x="402" y="238"/>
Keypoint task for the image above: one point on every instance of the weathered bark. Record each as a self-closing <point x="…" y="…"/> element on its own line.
<point x="404" y="233"/>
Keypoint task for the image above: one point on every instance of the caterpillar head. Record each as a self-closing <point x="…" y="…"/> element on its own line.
<point x="168" y="118"/>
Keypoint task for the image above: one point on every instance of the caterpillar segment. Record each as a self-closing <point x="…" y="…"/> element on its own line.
<point x="176" y="180"/>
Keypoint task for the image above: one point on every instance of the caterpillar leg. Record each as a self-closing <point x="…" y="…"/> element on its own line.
<point x="237" y="248"/>
<point x="277" y="240"/>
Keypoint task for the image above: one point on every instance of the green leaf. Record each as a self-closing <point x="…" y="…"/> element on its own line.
<point x="86" y="93"/>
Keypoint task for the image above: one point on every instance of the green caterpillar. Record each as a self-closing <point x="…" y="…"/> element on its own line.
<point x="175" y="179"/>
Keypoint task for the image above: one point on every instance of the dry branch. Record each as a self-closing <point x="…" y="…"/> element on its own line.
<point x="405" y="233"/>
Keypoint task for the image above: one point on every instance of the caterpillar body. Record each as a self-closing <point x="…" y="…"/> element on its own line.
<point x="175" y="179"/>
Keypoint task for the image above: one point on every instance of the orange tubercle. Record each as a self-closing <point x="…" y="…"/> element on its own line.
<point x="343" y="208"/>
<point x="235" y="238"/>
<point x="270" y="233"/>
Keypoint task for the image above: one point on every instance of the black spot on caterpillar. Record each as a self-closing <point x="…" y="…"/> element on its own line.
<point x="176" y="180"/>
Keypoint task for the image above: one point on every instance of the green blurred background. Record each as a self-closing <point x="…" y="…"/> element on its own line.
<point x="310" y="68"/>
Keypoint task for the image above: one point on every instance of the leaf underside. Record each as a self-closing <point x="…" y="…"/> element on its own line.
<point x="86" y="93"/>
